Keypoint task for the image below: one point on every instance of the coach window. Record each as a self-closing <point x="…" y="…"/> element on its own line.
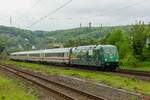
<point x="34" y="55"/>
<point x="47" y="54"/>
<point x="56" y="54"/>
<point x="23" y="55"/>
<point x="53" y="54"/>
<point x="62" y="54"/>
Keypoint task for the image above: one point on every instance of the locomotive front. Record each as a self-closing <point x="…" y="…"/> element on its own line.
<point x="110" y="57"/>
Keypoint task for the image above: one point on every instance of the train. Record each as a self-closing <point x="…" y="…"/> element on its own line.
<point x="92" y="56"/>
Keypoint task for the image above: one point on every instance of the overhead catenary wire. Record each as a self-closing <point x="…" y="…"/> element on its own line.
<point x="50" y="13"/>
<point x="128" y="6"/>
<point x="106" y="11"/>
<point x="117" y="9"/>
<point x="114" y="10"/>
<point x="26" y="13"/>
<point x="102" y="14"/>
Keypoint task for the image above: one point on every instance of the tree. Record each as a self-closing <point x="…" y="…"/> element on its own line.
<point x="138" y="34"/>
<point x="3" y="42"/>
<point x="73" y="42"/>
<point x="146" y="50"/>
<point x="114" y="37"/>
<point x="121" y="40"/>
<point x="8" y="44"/>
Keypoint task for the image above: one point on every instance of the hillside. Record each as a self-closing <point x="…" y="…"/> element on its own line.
<point x="83" y="33"/>
<point x="19" y="39"/>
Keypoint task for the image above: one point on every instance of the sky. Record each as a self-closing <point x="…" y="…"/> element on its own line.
<point x="45" y="15"/>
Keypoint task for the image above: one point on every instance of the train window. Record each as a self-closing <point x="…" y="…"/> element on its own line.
<point x="54" y="55"/>
<point x="48" y="54"/>
<point x="34" y="55"/>
<point x="111" y="50"/>
<point x="22" y="55"/>
<point x="62" y="54"/>
<point x="14" y="55"/>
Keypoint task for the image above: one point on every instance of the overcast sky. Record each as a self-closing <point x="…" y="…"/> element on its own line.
<point x="107" y="12"/>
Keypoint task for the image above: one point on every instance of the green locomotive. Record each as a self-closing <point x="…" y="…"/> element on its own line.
<point x="99" y="56"/>
<point x="95" y="56"/>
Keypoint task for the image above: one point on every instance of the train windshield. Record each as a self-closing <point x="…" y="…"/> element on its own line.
<point x="110" y="50"/>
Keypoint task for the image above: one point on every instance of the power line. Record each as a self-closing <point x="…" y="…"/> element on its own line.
<point x="127" y="6"/>
<point x="26" y="13"/>
<point x="50" y="13"/>
<point x="108" y="11"/>
<point x="132" y="5"/>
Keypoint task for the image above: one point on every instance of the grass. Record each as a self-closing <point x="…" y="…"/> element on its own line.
<point x="14" y="90"/>
<point x="144" y="66"/>
<point x="131" y="84"/>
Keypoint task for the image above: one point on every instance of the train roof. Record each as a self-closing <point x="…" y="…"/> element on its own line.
<point x="56" y="50"/>
<point x="93" y="46"/>
<point x="44" y="51"/>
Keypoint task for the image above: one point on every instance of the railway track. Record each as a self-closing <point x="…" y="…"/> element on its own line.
<point x="60" y="89"/>
<point x="143" y="74"/>
<point x="132" y="72"/>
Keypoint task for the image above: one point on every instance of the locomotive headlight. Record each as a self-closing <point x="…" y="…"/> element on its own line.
<point x="105" y="59"/>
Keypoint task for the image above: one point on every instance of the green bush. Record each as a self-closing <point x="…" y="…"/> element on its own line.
<point x="130" y="60"/>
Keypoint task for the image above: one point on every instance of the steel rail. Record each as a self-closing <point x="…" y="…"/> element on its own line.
<point x="18" y="71"/>
<point x="133" y="72"/>
<point x="39" y="84"/>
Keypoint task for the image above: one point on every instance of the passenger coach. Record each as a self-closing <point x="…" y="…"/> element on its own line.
<point x="97" y="56"/>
